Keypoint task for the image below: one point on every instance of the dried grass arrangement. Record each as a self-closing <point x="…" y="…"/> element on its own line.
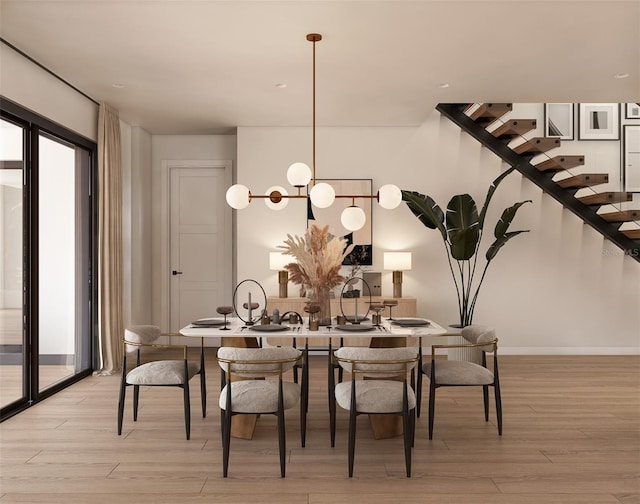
<point x="318" y="257"/>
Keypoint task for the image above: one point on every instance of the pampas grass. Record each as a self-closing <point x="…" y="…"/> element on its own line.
<point x="319" y="258"/>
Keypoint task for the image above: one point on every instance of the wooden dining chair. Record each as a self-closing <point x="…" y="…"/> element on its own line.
<point x="155" y="370"/>
<point x="254" y="383"/>
<point x="379" y="384"/>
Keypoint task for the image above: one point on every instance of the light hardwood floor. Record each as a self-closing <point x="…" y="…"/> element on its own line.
<point x="571" y="435"/>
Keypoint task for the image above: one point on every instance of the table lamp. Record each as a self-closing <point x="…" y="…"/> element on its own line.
<point x="277" y="262"/>
<point x="397" y="262"/>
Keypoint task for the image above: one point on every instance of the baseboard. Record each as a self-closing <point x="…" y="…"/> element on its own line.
<point x="628" y="350"/>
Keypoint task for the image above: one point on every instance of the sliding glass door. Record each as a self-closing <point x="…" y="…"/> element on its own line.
<point x="47" y="286"/>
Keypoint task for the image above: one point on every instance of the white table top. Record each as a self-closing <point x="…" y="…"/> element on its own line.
<point x="387" y="329"/>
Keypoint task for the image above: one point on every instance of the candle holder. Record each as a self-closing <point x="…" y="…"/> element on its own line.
<point x="249" y="305"/>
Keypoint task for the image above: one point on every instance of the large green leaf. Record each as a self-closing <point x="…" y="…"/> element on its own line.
<point x="507" y="217"/>
<point x="426" y="210"/>
<point x="492" y="189"/>
<point x="499" y="243"/>
<point x="462" y="226"/>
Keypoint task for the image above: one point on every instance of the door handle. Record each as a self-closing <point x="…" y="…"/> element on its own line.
<point x="174" y="272"/>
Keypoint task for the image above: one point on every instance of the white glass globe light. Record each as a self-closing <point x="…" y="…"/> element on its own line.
<point x="299" y="174"/>
<point x="322" y="195"/>
<point x="275" y="192"/>
<point x="389" y="196"/>
<point x="238" y="196"/>
<point x="353" y="218"/>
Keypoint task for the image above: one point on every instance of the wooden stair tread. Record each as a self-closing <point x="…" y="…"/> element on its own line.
<point x="583" y="180"/>
<point x="514" y="128"/>
<point x="621" y="216"/>
<point x="605" y="198"/>
<point x="634" y="234"/>
<point x="560" y="163"/>
<point x="537" y="145"/>
<point x="489" y="112"/>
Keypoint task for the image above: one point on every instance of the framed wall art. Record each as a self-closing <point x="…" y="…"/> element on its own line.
<point x="632" y="111"/>
<point x="599" y="121"/>
<point x="631" y="157"/>
<point x="558" y="120"/>
<point x="363" y="238"/>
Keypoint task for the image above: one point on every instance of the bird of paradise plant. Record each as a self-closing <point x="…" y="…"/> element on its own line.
<point x="462" y="231"/>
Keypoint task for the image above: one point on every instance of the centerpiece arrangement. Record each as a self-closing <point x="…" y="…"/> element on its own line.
<point x="319" y="257"/>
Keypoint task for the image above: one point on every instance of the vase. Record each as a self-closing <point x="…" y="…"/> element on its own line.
<point x="322" y="299"/>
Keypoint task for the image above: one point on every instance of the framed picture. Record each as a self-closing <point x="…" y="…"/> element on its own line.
<point x="632" y="111"/>
<point x="631" y="157"/>
<point x="362" y="238"/>
<point x="599" y="121"/>
<point x="558" y="120"/>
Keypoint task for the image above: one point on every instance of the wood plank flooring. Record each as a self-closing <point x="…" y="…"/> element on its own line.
<point x="571" y="436"/>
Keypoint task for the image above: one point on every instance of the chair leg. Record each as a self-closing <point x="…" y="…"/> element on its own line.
<point x="419" y="391"/>
<point x="432" y="404"/>
<point x="485" y="396"/>
<point x="352" y="440"/>
<point x="203" y="390"/>
<point x="136" y="397"/>
<point x="121" y="406"/>
<point x="282" y="440"/>
<point x="406" y="425"/>
<point x="226" y="441"/>
<point x="187" y="410"/>
<point x="498" y="406"/>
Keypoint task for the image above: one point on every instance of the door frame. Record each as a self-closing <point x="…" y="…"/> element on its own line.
<point x="165" y="216"/>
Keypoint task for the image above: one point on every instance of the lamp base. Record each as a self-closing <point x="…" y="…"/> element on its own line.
<point x="397" y="284"/>
<point x="283" y="281"/>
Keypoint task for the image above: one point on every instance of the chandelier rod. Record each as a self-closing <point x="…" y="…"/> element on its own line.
<point x="314" y="37"/>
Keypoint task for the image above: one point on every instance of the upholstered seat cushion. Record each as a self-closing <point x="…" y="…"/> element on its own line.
<point x="165" y="372"/>
<point x="374" y="396"/>
<point x="259" y="396"/>
<point x="459" y="373"/>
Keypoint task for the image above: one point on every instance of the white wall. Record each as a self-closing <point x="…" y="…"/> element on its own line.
<point x="30" y="86"/>
<point x="175" y="147"/>
<point x="559" y="289"/>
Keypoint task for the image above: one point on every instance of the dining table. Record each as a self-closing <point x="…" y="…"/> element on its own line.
<point x="390" y="332"/>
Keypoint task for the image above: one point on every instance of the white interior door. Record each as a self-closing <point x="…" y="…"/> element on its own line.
<point x="200" y="250"/>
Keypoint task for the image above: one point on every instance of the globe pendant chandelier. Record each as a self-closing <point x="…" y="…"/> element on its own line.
<point x="321" y="194"/>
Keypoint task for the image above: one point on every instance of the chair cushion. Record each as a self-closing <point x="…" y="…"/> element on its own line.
<point x="374" y="396"/>
<point x="164" y="372"/>
<point x="377" y="354"/>
<point x="259" y="396"/>
<point x="478" y="334"/>
<point x="459" y="373"/>
<point x="145" y="334"/>
<point x="260" y="355"/>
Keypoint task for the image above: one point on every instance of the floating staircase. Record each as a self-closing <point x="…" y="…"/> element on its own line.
<point x="483" y="122"/>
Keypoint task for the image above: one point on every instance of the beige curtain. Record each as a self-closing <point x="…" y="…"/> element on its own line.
<point x="110" y="299"/>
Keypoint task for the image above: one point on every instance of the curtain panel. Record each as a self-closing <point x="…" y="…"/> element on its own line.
<point x="110" y="294"/>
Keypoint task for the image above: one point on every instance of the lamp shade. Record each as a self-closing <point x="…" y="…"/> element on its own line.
<point x="389" y="196"/>
<point x="278" y="260"/>
<point x="353" y="218"/>
<point x="322" y="195"/>
<point x="299" y="174"/>
<point x="397" y="261"/>
<point x="238" y="196"/>
<point x="275" y="192"/>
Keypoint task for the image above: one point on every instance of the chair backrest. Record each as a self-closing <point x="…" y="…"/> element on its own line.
<point x="142" y="334"/>
<point x="257" y="362"/>
<point x="382" y="362"/>
<point x="479" y="334"/>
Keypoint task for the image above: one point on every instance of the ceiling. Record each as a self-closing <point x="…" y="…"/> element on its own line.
<point x="203" y="66"/>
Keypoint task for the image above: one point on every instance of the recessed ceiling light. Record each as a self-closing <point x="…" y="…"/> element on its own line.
<point x="117" y="85"/>
<point x="621" y="76"/>
<point x="281" y="85"/>
<point x="444" y="85"/>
